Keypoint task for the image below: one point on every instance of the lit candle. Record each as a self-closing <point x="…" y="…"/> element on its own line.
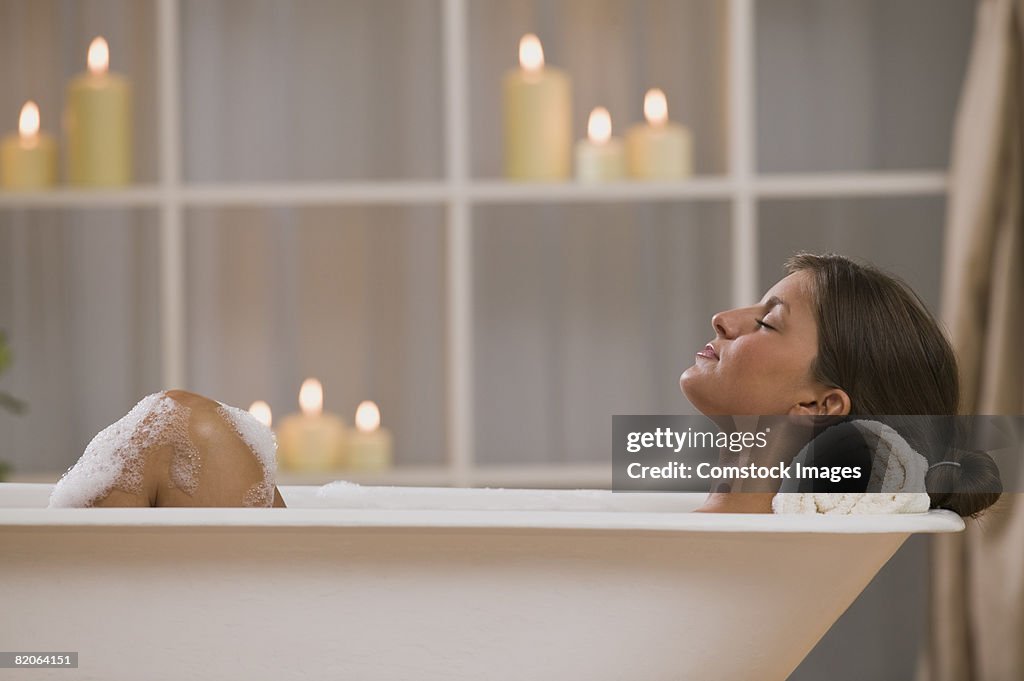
<point x="28" y="160"/>
<point x="98" y="120"/>
<point x="260" y="411"/>
<point x="369" y="447"/>
<point x="311" y="440"/>
<point x="599" y="157"/>
<point x="658" y="150"/>
<point x="538" y="117"/>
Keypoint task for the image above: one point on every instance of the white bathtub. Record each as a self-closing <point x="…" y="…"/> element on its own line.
<point x="432" y="584"/>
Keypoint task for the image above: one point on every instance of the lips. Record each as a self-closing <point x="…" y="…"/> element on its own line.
<point x="708" y="352"/>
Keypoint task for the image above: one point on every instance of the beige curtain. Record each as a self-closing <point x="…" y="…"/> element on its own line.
<point x="977" y="591"/>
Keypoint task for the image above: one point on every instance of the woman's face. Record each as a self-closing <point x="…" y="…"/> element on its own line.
<point x="759" y="362"/>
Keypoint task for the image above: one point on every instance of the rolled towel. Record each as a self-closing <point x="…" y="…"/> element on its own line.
<point x="896" y="483"/>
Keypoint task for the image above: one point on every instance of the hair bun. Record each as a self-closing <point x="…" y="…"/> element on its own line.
<point x="966" y="483"/>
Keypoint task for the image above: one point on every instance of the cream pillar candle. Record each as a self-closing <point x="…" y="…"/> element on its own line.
<point x="260" y="411"/>
<point x="538" y="118"/>
<point x="312" y="440"/>
<point x="98" y="119"/>
<point x="658" y="150"/>
<point x="369" y="447"/>
<point x="600" y="158"/>
<point x="28" y="160"/>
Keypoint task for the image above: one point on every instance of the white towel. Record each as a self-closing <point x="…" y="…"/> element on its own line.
<point x="896" y="484"/>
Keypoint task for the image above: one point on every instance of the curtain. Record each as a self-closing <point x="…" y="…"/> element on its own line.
<point x="977" y="624"/>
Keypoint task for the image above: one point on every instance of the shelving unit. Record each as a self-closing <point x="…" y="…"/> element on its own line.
<point x="458" y="192"/>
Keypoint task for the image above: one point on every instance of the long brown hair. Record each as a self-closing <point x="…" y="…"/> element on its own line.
<point x="878" y="343"/>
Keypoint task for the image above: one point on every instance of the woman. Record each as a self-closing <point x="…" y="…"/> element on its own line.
<point x="833" y="339"/>
<point x="837" y="339"/>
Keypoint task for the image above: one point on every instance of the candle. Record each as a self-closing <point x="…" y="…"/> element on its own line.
<point x="538" y="117"/>
<point x="98" y="119"/>
<point x="28" y="160"/>
<point x="370" y="445"/>
<point x="658" y="150"/>
<point x="599" y="157"/>
<point x="311" y="440"/>
<point x="260" y="411"/>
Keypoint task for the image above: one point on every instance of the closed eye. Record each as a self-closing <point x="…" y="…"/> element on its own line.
<point x="767" y="326"/>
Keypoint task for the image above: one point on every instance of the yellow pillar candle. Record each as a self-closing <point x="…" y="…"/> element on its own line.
<point x="312" y="440"/>
<point x="600" y="158"/>
<point x="658" y="150"/>
<point x="369" y="447"/>
<point x="98" y="121"/>
<point x="538" y="118"/>
<point x="28" y="160"/>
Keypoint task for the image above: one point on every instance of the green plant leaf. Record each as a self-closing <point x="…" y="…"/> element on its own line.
<point x="12" y="404"/>
<point x="5" y="353"/>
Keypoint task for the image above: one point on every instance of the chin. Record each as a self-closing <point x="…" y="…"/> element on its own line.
<point x="689" y="382"/>
<point x="700" y="390"/>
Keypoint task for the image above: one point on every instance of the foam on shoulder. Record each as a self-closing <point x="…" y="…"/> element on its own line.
<point x="114" y="457"/>
<point x="261" y="440"/>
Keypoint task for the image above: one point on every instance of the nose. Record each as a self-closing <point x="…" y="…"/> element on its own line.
<point x="725" y="324"/>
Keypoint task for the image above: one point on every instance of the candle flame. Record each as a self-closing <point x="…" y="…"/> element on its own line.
<point x="599" y="126"/>
<point x="531" y="54"/>
<point x="28" y="121"/>
<point x="367" y="417"/>
<point x="655" y="107"/>
<point x="311" y="397"/>
<point x="99" y="56"/>
<point x="261" y="412"/>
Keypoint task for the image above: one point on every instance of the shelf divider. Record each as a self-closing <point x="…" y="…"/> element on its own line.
<point x="172" y="230"/>
<point x="459" y="243"/>
<point x="743" y="152"/>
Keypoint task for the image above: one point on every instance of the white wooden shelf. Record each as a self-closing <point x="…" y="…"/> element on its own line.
<point x="458" y="192"/>
<point x="828" y="185"/>
<point x="722" y="188"/>
<point x="501" y="191"/>
<point x="138" y="196"/>
<point x="314" y="193"/>
<point x="554" y="476"/>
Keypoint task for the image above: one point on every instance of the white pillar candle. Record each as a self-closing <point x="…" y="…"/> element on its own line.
<point x="369" y="447"/>
<point x="658" y="149"/>
<point x="28" y="159"/>
<point x="600" y="157"/>
<point x="538" y="118"/>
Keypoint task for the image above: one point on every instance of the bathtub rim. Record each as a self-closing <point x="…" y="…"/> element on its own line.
<point x="934" y="521"/>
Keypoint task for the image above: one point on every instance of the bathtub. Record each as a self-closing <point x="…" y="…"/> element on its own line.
<point x="432" y="583"/>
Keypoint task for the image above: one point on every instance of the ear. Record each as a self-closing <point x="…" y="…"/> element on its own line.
<point x="830" y="402"/>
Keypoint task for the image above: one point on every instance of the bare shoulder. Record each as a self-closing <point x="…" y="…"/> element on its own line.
<point x="228" y="471"/>
<point x="190" y="399"/>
